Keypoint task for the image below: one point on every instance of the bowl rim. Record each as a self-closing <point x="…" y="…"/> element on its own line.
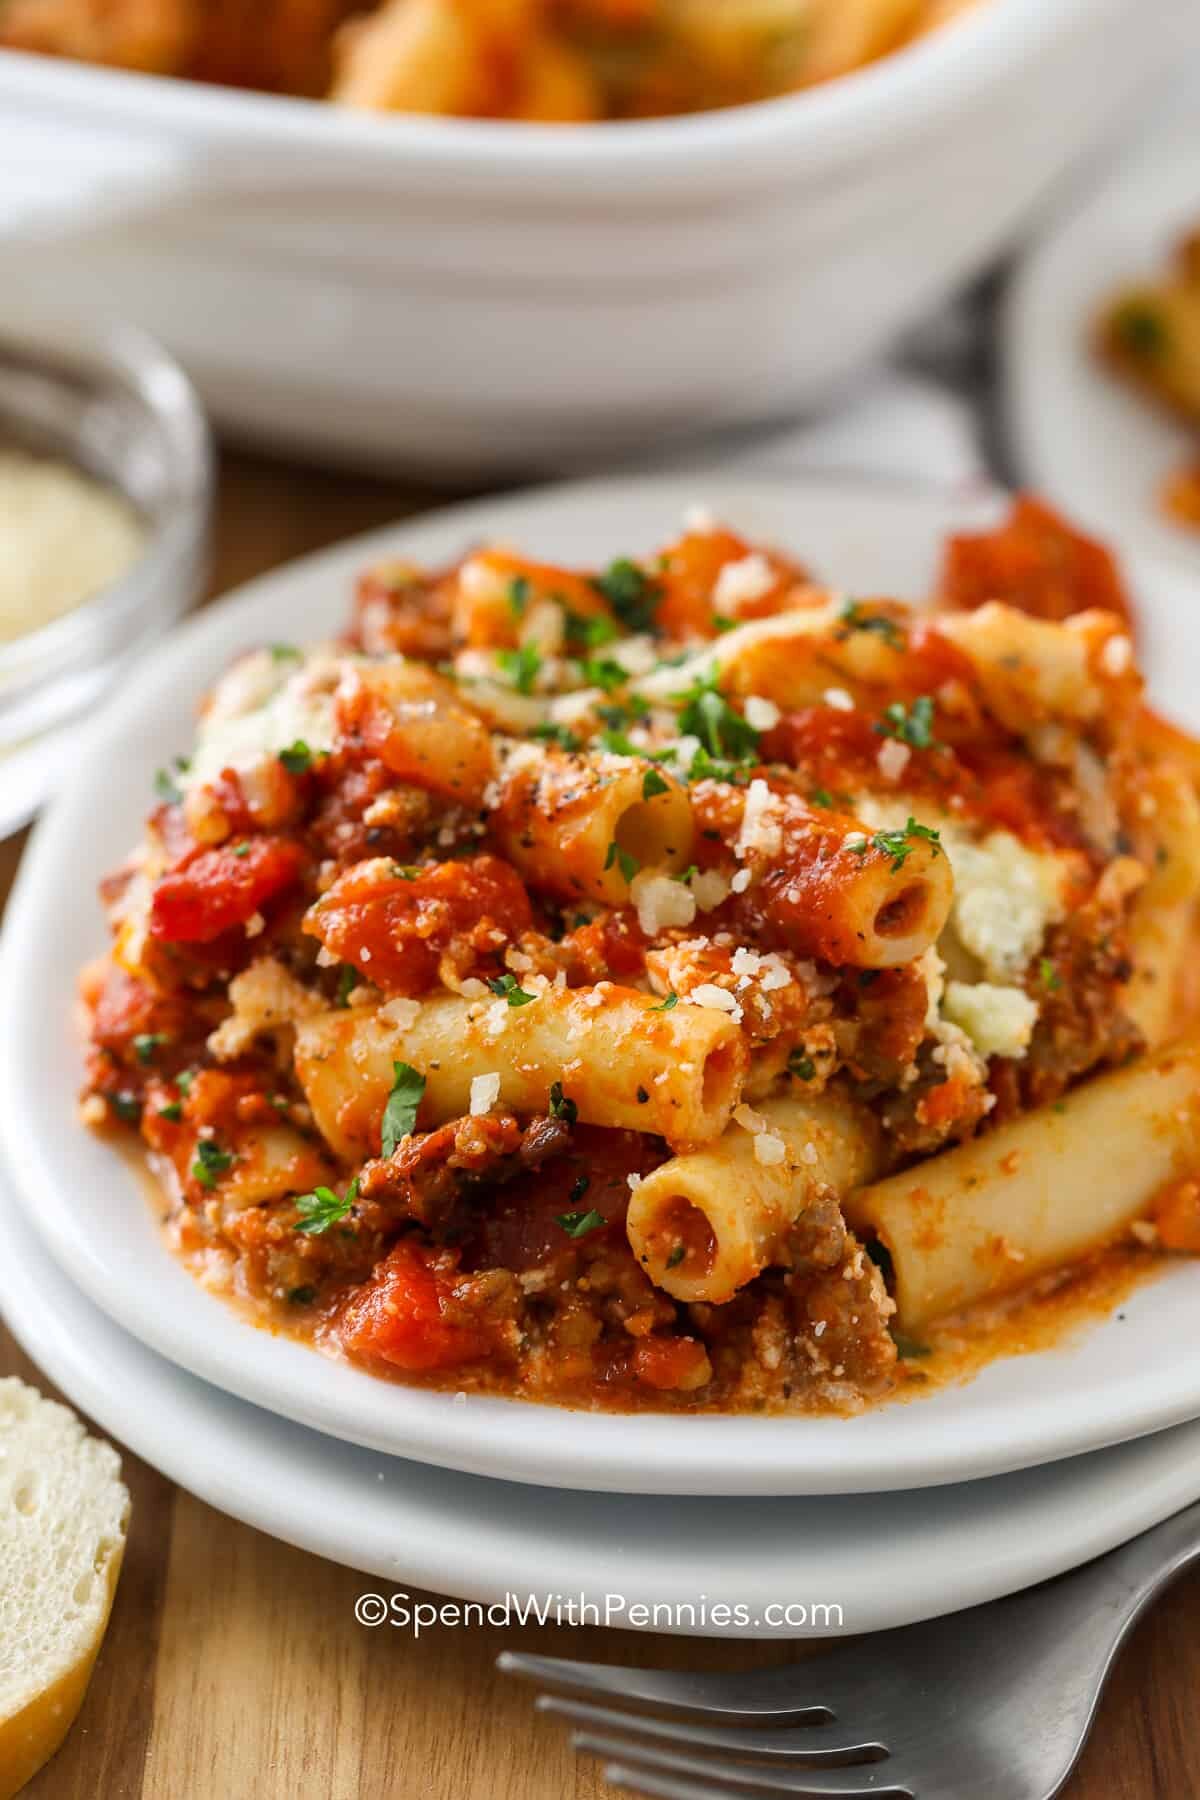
<point x="937" y="73"/>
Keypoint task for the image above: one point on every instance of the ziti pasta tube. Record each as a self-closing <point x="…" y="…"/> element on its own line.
<point x="625" y="1060"/>
<point x="1036" y="1193"/>
<point x="704" y="1224"/>
<point x="582" y="827"/>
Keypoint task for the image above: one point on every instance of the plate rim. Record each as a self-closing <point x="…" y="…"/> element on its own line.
<point x="1029" y="347"/>
<point x="513" y="1439"/>
<point x="1140" y="1483"/>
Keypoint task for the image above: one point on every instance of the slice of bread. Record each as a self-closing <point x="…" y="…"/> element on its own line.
<point x="63" y="1513"/>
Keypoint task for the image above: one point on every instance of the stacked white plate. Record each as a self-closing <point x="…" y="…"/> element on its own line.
<point x="903" y="1513"/>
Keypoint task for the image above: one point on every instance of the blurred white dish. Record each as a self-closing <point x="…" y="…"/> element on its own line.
<point x="1134" y="1374"/>
<point x="467" y="297"/>
<point x="884" y="1560"/>
<point x="1080" y="436"/>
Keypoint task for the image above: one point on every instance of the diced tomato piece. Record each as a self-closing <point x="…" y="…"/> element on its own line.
<point x="126" y="1008"/>
<point x="666" y="1362"/>
<point x="611" y="947"/>
<point x="1035" y="562"/>
<point x="395" y="929"/>
<point x="409" y="1315"/>
<point x="210" y="891"/>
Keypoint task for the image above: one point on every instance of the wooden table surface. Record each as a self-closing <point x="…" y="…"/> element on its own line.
<point x="233" y="1666"/>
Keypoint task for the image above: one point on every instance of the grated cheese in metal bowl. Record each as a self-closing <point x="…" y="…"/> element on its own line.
<point x="63" y="537"/>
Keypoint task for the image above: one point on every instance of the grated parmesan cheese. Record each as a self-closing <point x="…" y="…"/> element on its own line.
<point x="707" y="993"/>
<point x="661" y="902"/>
<point x="485" y="1091"/>
<point x="762" y="830"/>
<point x="65" y="537"/>
<point x="762" y="714"/>
<point x="893" y="759"/>
<point x="740" y="583"/>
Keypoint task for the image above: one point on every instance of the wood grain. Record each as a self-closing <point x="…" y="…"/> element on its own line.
<point x="233" y="1668"/>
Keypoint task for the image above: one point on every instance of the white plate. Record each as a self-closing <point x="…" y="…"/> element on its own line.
<point x="1079" y="435"/>
<point x="884" y="1559"/>
<point x="1131" y="1376"/>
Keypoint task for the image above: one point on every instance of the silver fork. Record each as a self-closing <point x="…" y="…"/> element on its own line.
<point x="996" y="1702"/>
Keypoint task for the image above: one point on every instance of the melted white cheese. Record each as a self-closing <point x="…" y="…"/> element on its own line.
<point x="268" y="701"/>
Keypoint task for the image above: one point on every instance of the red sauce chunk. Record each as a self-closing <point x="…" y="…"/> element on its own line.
<point x="417" y="1313"/>
<point x="210" y="891"/>
<point x="395" y="924"/>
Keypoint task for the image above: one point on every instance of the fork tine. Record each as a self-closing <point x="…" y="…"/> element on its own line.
<point x="685" y="1778"/>
<point x="724" y="1698"/>
<point x="815" y="1746"/>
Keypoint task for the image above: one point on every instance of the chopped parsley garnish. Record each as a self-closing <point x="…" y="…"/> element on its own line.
<point x="348" y="980"/>
<point x="560" y="1106"/>
<point x="578" y="1224"/>
<point x="146" y="1043"/>
<point x="126" y="1106"/>
<point x="1049" y="975"/>
<point x="284" y="653"/>
<point x="721" y="624"/>
<point x="594" y="632"/>
<point x="621" y="745"/>
<point x="557" y="734"/>
<point x="668" y="1005"/>
<point x="579" y="1187"/>
<point x="604" y="672"/>
<point x="520" y="667"/>
<point x="627" y="864"/>
<point x="184" y="1080"/>
<point x="210" y="1161"/>
<point x="633" y="595"/>
<point x="172" y="1111"/>
<point x="518" y="595"/>
<point x="679" y="1251"/>
<point x="853" y="618"/>
<point x="166" y="787"/>
<point x="507" y="987"/>
<point x="617" y="717"/>
<point x="822" y="797"/>
<point x="686" y="876"/>
<point x="323" y="1208"/>
<point x="653" y="783"/>
<point x="724" y="733"/>
<point x="897" y="844"/>
<point x="911" y="725"/>
<point x="240" y="850"/>
<point x="801" y="1066"/>
<point x="1140" y="330"/>
<point x="705" y="767"/>
<point x="302" y="1296"/>
<point x="297" y="757"/>
<point x="400" y="1113"/>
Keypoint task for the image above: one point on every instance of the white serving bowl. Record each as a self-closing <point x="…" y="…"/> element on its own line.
<point x="470" y="298"/>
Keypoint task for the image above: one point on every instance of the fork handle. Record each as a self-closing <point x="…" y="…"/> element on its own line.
<point x="1137" y="1572"/>
<point x="1098" y="1605"/>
